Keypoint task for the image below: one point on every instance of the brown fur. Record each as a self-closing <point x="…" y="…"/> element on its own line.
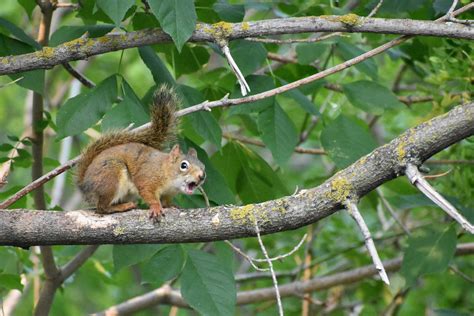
<point x="118" y="167"/>
<point x="163" y="129"/>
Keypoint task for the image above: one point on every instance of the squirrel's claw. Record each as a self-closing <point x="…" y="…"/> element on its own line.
<point x="156" y="213"/>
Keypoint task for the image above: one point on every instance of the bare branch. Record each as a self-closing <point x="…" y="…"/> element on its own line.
<point x="417" y="180"/>
<point x="76" y="74"/>
<point x="244" y="87"/>
<point x="246" y="140"/>
<point x="73" y="265"/>
<point x="270" y="265"/>
<point x="84" y="48"/>
<point x="369" y="243"/>
<point x="38" y="182"/>
<point x="375" y="9"/>
<point x="392" y="211"/>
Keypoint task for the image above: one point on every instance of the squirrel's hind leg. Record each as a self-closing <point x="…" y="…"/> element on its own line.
<point x="123" y="207"/>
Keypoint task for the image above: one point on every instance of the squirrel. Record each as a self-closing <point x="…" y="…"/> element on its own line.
<point x="119" y="166"/>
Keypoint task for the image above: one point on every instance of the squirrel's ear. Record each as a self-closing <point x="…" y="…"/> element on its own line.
<point x="192" y="152"/>
<point x="175" y="151"/>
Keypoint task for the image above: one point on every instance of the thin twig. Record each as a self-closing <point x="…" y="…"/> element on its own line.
<point x="279" y="257"/>
<point x="449" y="14"/>
<point x="72" y="266"/>
<point x="244" y="87"/>
<point x="408" y="100"/>
<point x="375" y="9"/>
<point x="439" y="175"/>
<point x="76" y="74"/>
<point x="38" y="182"/>
<point x="300" y="150"/>
<point x="392" y="211"/>
<point x="369" y="243"/>
<point x="461" y="274"/>
<point x="270" y="265"/>
<point x="246" y="256"/>
<point x="416" y="178"/>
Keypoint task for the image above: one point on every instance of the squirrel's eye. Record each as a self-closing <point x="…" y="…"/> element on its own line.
<point x="184" y="165"/>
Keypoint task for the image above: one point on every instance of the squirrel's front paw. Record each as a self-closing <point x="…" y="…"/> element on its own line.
<point x="156" y="212"/>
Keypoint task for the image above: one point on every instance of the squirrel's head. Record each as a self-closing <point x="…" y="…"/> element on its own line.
<point x="190" y="172"/>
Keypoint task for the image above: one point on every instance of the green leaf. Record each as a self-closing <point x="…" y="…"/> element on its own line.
<point x="129" y="110"/>
<point x="207" y="285"/>
<point x="21" y="203"/>
<point x="203" y="122"/>
<point x="410" y="201"/>
<point x="302" y="100"/>
<point x="10" y="282"/>
<point x="257" y="84"/>
<point x="142" y="20"/>
<point x="224" y="253"/>
<point x="349" y="51"/>
<point x="189" y="60"/>
<point x="6" y="147"/>
<point x="90" y="14"/>
<point x="371" y="97"/>
<point x="13" y="138"/>
<point x="115" y="9"/>
<point x="176" y="17"/>
<point x="19" y="33"/>
<point x="248" y="174"/>
<point x="165" y="265"/>
<point x="278" y="132"/>
<point x="158" y="69"/>
<point x="249" y="56"/>
<point x="84" y="110"/>
<point x="345" y="141"/>
<point x="429" y="251"/>
<point x="70" y="32"/>
<point x="28" y="5"/>
<point x="229" y="12"/>
<point x="215" y="185"/>
<point x="33" y="79"/>
<point x="442" y="6"/>
<point x="127" y="255"/>
<point x="307" y="53"/>
<point x="401" y="6"/>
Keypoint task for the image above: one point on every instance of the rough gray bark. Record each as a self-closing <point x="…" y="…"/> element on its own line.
<point x="83" y="48"/>
<point x="26" y="228"/>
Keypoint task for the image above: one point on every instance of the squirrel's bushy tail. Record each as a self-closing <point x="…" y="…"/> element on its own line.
<point x="163" y="129"/>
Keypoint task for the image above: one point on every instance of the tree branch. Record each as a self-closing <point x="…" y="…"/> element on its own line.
<point x="83" y="48"/>
<point x="27" y="228"/>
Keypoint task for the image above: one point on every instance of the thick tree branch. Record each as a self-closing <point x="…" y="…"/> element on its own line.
<point x="83" y="48"/>
<point x="26" y="228"/>
<point x="166" y="295"/>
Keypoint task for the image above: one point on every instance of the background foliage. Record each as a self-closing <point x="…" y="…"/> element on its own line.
<point x="348" y="122"/>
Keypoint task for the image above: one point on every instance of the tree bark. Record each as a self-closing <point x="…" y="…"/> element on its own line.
<point x="82" y="48"/>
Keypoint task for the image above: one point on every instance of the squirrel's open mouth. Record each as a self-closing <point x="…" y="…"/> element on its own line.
<point x="190" y="187"/>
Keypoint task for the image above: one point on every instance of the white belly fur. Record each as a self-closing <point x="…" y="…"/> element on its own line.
<point x="125" y="187"/>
